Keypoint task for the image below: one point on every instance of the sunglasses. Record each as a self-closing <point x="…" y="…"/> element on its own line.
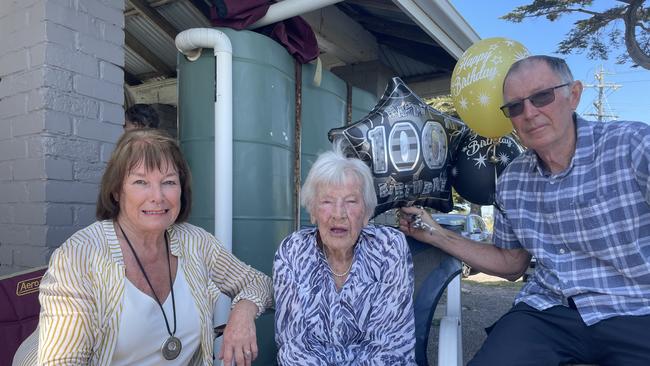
<point x="539" y="99"/>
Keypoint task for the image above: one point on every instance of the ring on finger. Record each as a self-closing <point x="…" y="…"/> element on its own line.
<point x="247" y="354"/>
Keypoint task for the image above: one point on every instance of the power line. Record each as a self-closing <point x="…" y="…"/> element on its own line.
<point x="601" y="102"/>
<point x="634" y="81"/>
<point x="633" y="72"/>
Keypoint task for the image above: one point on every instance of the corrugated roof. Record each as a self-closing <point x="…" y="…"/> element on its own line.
<point x="135" y="64"/>
<point x="180" y="14"/>
<point x="184" y="15"/>
<point x="157" y="42"/>
<point x="402" y="45"/>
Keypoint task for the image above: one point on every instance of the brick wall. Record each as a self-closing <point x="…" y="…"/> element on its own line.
<point x="61" y="96"/>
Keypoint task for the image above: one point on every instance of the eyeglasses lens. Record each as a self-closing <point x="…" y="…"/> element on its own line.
<point x="540" y="99"/>
<point x="513" y="109"/>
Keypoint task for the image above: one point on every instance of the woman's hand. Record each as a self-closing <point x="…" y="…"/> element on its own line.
<point x="239" y="340"/>
<point x="424" y="232"/>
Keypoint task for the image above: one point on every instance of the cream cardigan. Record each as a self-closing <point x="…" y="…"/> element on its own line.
<point x="81" y="293"/>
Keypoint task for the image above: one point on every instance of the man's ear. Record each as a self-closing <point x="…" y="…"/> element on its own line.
<point x="576" y="93"/>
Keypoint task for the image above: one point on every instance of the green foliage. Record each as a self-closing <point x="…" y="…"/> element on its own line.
<point x="444" y="104"/>
<point x="601" y="32"/>
<point x="594" y="34"/>
<point x="551" y="10"/>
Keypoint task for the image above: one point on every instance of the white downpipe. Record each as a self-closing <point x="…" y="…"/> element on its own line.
<point x="190" y="42"/>
<point x="290" y="8"/>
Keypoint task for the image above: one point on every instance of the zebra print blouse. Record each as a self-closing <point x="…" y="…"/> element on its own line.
<point x="368" y="322"/>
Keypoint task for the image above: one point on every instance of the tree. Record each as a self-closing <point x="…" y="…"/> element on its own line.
<point x="444" y="104"/>
<point x="599" y="33"/>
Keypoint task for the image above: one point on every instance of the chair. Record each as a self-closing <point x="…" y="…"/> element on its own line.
<point x="19" y="309"/>
<point x="27" y="353"/>
<point x="434" y="271"/>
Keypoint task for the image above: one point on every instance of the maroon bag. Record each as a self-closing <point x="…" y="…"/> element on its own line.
<point x="237" y="14"/>
<point x="294" y="34"/>
<point x="19" y="308"/>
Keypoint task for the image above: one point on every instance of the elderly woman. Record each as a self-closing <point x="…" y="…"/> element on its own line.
<point x="344" y="288"/>
<point x="138" y="286"/>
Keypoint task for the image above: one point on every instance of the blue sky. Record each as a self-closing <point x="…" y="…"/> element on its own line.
<point x="630" y="102"/>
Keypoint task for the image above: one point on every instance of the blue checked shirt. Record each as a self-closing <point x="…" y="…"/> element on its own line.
<point x="588" y="226"/>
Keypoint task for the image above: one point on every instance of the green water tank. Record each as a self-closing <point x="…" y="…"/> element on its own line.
<point x="263" y="145"/>
<point x="362" y="103"/>
<point x="324" y="107"/>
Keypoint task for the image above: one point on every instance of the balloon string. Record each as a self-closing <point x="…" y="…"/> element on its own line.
<point x="494" y="194"/>
<point x="493" y="151"/>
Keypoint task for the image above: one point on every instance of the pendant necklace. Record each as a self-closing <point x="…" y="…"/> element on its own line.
<point x="171" y="348"/>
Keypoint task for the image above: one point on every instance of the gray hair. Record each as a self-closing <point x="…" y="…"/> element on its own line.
<point x="334" y="168"/>
<point x="556" y="64"/>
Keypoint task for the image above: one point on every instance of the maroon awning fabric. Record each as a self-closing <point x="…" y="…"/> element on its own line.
<point x="293" y="33"/>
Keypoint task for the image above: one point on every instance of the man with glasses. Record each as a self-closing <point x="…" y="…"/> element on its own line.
<point x="578" y="200"/>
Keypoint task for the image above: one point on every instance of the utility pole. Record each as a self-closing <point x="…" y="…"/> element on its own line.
<point x="601" y="101"/>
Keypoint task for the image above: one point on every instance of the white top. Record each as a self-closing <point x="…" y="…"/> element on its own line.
<point x="142" y="329"/>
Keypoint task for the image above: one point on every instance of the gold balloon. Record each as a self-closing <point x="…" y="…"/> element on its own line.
<point x="477" y="82"/>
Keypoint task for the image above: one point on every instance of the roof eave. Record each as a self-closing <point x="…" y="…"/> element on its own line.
<point x="440" y="20"/>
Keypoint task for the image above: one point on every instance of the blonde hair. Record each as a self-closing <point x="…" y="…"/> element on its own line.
<point x="334" y="168"/>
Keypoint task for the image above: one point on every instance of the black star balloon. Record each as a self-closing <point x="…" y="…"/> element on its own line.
<point x="480" y="161"/>
<point x="409" y="147"/>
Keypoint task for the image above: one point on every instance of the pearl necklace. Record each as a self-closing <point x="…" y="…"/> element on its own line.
<point x="332" y="270"/>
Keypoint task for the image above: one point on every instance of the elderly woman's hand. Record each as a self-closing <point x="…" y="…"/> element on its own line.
<point x="416" y="222"/>
<point x="239" y="340"/>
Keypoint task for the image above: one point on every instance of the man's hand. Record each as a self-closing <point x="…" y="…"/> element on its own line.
<point x="419" y="224"/>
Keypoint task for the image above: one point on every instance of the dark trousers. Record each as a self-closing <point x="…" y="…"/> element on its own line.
<point x="557" y="336"/>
